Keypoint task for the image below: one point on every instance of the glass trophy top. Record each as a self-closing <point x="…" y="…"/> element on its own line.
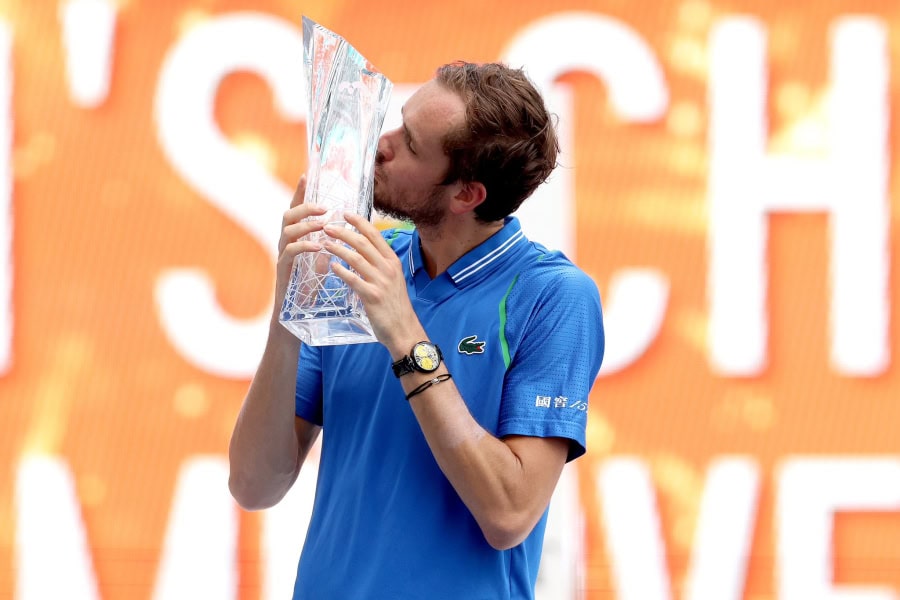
<point x="348" y="100"/>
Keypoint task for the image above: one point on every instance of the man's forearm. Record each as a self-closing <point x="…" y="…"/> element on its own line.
<point x="506" y="484"/>
<point x="264" y="452"/>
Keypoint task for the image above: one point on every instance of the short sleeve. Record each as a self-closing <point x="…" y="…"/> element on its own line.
<point x="555" y="326"/>
<point x="308" y="390"/>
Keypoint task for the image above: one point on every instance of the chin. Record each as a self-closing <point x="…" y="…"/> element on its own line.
<point x="389" y="211"/>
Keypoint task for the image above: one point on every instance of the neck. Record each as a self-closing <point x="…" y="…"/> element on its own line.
<point x="444" y="244"/>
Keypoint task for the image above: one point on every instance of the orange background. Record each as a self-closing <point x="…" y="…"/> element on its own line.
<point x="98" y="213"/>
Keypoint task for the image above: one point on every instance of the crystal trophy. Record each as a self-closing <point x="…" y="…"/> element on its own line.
<point x="348" y="100"/>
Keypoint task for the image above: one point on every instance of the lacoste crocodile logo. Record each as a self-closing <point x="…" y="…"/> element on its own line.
<point x="470" y="345"/>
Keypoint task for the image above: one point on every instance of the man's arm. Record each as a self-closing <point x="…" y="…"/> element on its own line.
<point x="269" y="443"/>
<point x="505" y="483"/>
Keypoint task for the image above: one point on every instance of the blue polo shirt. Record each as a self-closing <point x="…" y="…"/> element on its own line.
<point x="521" y="331"/>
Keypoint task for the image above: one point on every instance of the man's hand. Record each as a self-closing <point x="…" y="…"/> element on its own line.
<point x="295" y="229"/>
<point x="378" y="281"/>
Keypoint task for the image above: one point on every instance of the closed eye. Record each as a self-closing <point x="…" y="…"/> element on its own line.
<point x="408" y="138"/>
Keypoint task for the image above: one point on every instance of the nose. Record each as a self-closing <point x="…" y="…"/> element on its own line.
<point x="385" y="150"/>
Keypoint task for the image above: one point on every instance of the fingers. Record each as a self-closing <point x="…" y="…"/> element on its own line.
<point x="365" y="251"/>
<point x="356" y="249"/>
<point x="371" y="233"/>
<point x="297" y="230"/>
<point x="296" y="222"/>
<point x="355" y="259"/>
<point x="299" y="192"/>
<point x="367" y="240"/>
<point x="349" y="277"/>
<point x="295" y="248"/>
<point x="298" y="213"/>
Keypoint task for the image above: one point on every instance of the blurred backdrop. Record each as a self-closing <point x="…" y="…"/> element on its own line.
<point x="730" y="179"/>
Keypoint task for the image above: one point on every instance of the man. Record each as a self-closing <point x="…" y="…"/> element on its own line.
<point x="442" y="443"/>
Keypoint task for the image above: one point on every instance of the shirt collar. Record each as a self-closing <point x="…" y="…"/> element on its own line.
<point x="478" y="260"/>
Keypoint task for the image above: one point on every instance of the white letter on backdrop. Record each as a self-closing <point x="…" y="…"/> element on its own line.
<point x="284" y="528"/>
<point x="617" y="55"/>
<point x="230" y="180"/>
<point x="53" y="559"/>
<point x="199" y="557"/>
<point x="635" y="544"/>
<point x="810" y="492"/>
<point x="88" y="33"/>
<point x="746" y="184"/>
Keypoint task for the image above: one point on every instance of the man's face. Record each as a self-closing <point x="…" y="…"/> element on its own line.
<point x="411" y="163"/>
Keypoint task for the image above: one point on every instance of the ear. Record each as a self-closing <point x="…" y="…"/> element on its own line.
<point x="468" y="197"/>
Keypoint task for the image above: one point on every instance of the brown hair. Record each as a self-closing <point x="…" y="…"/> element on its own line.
<point x="508" y="142"/>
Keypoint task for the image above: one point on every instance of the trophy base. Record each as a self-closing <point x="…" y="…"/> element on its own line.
<point x="331" y="331"/>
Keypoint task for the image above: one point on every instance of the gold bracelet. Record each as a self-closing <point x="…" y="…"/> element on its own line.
<point x="428" y="384"/>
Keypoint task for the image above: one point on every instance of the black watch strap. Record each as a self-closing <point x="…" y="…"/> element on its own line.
<point x="403" y="366"/>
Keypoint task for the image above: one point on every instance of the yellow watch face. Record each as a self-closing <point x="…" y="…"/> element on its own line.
<point x="426" y="356"/>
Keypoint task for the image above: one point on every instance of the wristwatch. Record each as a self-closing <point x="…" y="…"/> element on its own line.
<point x="424" y="357"/>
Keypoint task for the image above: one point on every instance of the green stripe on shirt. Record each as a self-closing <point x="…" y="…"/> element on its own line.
<point x="503" y="344"/>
